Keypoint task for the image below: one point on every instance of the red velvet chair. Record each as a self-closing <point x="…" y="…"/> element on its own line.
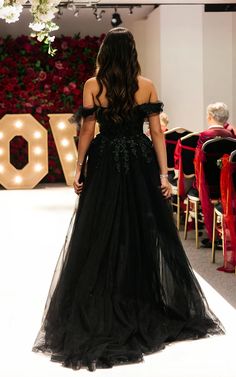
<point x="224" y="217"/>
<point x="209" y="177"/>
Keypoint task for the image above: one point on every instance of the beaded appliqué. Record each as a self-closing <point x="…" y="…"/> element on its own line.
<point x="123" y="149"/>
<point x="123" y="142"/>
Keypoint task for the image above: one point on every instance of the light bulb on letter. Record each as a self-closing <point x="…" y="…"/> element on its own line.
<point x="18" y="124"/>
<point x="38" y="150"/>
<point x="18" y="179"/>
<point x="61" y="125"/>
<point x="38" y="167"/>
<point x="69" y="157"/>
<point x="37" y="135"/>
<point x="65" y="142"/>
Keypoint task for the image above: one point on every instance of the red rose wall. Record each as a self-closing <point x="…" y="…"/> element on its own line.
<point x="33" y="82"/>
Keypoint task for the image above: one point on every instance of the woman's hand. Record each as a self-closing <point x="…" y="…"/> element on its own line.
<point x="78" y="187"/>
<point x="165" y="187"/>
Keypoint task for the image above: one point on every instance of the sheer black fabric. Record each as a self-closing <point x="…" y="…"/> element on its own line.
<point x="123" y="286"/>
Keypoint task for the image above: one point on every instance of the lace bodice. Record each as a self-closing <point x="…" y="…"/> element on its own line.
<point x="130" y="127"/>
<point x="123" y="141"/>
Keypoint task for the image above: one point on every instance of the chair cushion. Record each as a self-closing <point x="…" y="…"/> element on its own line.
<point x="173" y="181"/>
<point x="193" y="194"/>
<point x="219" y="208"/>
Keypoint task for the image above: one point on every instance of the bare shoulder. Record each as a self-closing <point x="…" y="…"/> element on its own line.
<point x="91" y="84"/>
<point x="145" y="82"/>
<point x="146" y="86"/>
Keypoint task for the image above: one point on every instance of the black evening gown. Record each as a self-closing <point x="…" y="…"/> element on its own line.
<point x="123" y="286"/>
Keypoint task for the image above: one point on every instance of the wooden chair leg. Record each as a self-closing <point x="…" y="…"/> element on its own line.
<point x="186" y="220"/>
<point x="196" y="224"/>
<point x="222" y="236"/>
<point x="178" y="212"/>
<point x="213" y="253"/>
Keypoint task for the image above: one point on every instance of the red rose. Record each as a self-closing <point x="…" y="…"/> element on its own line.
<point x="51" y="178"/>
<point x="76" y="92"/>
<point x="72" y="85"/>
<point x="42" y="75"/>
<point x="9" y="87"/>
<point x="82" y="43"/>
<point x="30" y="86"/>
<point x="38" y="109"/>
<point x="56" y="79"/>
<point x="27" y="47"/>
<point x="30" y="73"/>
<point x="66" y="90"/>
<point x="53" y="163"/>
<point x="82" y="67"/>
<point x="59" y="65"/>
<point x="14" y="81"/>
<point x="64" y="45"/>
<point x="23" y="93"/>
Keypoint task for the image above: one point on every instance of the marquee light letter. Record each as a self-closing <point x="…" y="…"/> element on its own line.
<point x="24" y="125"/>
<point x="64" y="133"/>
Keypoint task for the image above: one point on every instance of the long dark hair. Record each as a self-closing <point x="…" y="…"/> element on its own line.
<point x="117" y="70"/>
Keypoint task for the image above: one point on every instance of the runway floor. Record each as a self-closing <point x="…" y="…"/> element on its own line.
<point x="33" y="224"/>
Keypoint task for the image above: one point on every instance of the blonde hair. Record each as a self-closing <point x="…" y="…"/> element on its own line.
<point x="219" y="112"/>
<point x="164" y="119"/>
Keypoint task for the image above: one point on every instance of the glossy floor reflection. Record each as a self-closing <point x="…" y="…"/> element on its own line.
<point x="33" y="224"/>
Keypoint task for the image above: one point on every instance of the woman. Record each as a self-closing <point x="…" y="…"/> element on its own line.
<point x="164" y="121"/>
<point x="123" y="286"/>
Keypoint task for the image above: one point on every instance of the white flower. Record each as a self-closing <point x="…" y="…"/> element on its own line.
<point x="48" y="16"/>
<point x="11" y="13"/>
<point x="51" y="39"/>
<point x="43" y="12"/>
<point x="37" y="26"/>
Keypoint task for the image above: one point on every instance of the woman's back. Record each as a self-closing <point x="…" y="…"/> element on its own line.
<point x="144" y="94"/>
<point x="123" y="286"/>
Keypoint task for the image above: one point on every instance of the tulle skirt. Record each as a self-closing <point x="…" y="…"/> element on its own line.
<point x="123" y="286"/>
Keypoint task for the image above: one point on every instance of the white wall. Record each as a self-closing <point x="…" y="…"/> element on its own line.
<point x="181" y="64"/>
<point x="191" y="57"/>
<point x="233" y="117"/>
<point x="173" y="60"/>
<point x="218" y="59"/>
<point x="139" y="31"/>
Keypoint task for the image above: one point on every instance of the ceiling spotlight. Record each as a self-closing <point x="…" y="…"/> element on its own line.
<point x="116" y="19"/>
<point x="97" y="15"/>
<point x="76" y="14"/>
<point x="59" y="13"/>
<point x="71" y="6"/>
<point x="131" y="10"/>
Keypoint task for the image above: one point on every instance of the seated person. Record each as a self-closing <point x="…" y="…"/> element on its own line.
<point x="164" y="120"/>
<point x="217" y="117"/>
<point x="230" y="127"/>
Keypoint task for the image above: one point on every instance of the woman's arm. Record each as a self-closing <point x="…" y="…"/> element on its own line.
<point x="86" y="134"/>
<point x="158" y="140"/>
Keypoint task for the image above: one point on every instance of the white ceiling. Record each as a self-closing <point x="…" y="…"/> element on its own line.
<point x="168" y="2"/>
<point x="86" y="22"/>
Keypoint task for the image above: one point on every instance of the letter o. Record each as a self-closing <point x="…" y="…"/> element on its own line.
<point x="31" y="174"/>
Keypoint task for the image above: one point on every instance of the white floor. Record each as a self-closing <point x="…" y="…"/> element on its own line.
<point x="33" y="224"/>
